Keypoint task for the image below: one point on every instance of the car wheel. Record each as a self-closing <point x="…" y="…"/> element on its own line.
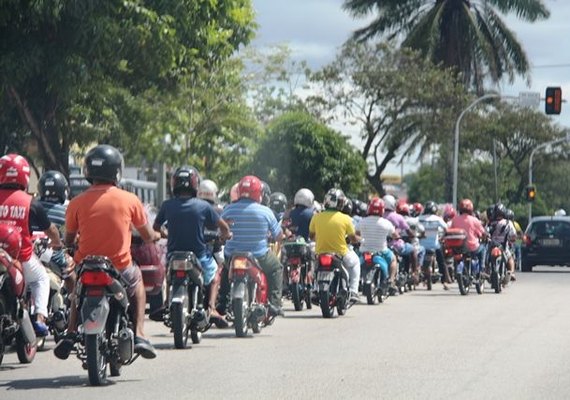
<point x="526" y="266"/>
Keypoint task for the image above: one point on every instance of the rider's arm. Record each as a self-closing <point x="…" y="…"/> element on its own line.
<point x="148" y="234"/>
<point x="38" y="217"/>
<point x="225" y="233"/>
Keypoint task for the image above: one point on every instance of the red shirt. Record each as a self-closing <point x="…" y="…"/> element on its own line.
<point x="15" y="211"/>
<point x="103" y="216"/>
<point x="472" y="227"/>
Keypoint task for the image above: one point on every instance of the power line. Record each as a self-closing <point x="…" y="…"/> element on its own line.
<point x="567" y="65"/>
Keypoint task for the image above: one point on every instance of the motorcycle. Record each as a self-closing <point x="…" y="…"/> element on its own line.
<point x="249" y="294"/>
<point x="186" y="314"/>
<point x="466" y="268"/>
<point x="429" y="273"/>
<point x="375" y="285"/>
<point x="498" y="267"/>
<point x="58" y="305"/>
<point x="15" y="321"/>
<point x="298" y="260"/>
<point x="106" y="328"/>
<point x="332" y="281"/>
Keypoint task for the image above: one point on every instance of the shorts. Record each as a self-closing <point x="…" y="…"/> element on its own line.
<point x="132" y="275"/>
<point x="209" y="268"/>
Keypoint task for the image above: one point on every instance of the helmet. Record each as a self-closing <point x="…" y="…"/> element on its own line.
<point x="500" y="211"/>
<point x="278" y="202"/>
<point x="185" y="180"/>
<point x="348" y="207"/>
<point x="103" y="163"/>
<point x="334" y="199"/>
<point x="448" y="212"/>
<point x="466" y="206"/>
<point x="250" y="187"/>
<point x="234" y="192"/>
<point x="430" y="208"/>
<point x="490" y="213"/>
<point x="560" y="213"/>
<point x="417" y="208"/>
<point x="389" y="202"/>
<point x="208" y="190"/>
<point x="360" y="208"/>
<point x="53" y="186"/>
<point x="14" y="171"/>
<point x="510" y="215"/>
<point x="304" y="197"/>
<point x="318" y="206"/>
<point x="376" y="207"/>
<point x="403" y="208"/>
<point x="265" y="193"/>
<point x="10" y="240"/>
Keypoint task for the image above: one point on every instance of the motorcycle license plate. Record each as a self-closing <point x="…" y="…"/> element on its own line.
<point x="325" y="276"/>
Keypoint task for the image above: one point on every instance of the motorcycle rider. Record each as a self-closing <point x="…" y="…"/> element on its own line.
<point x="375" y="230"/>
<point x="23" y="212"/>
<point x="407" y="249"/>
<point x="503" y="232"/>
<point x="302" y="213"/>
<point x="434" y="227"/>
<point x="251" y="223"/>
<point x="278" y="204"/>
<point x="331" y="229"/>
<point x="473" y="228"/>
<point x="185" y="217"/>
<point x="101" y="218"/>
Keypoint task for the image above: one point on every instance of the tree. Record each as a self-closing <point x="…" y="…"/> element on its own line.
<point x="468" y="35"/>
<point x="400" y="101"/>
<point x="78" y="72"/>
<point x="299" y="151"/>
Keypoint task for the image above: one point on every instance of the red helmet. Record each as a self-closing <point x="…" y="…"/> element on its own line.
<point x="376" y="207"/>
<point x="466" y="206"/>
<point x="448" y="212"/>
<point x="14" y="170"/>
<point x="10" y="240"/>
<point x="250" y="187"/>
<point x="418" y="208"/>
<point x="403" y="208"/>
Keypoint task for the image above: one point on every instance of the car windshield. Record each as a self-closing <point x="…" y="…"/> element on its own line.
<point x="551" y="228"/>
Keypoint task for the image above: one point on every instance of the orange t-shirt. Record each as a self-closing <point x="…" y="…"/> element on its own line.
<point x="102" y="216"/>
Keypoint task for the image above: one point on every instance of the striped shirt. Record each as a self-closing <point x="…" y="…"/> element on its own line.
<point x="251" y="224"/>
<point x="56" y="214"/>
<point x="374" y="231"/>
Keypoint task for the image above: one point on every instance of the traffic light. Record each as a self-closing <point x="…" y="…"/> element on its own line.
<point x="553" y="101"/>
<point x="530" y="193"/>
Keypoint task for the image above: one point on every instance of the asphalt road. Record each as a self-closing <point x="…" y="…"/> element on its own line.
<point x="421" y="345"/>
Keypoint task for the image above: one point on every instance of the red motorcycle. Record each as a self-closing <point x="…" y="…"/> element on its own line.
<point x="298" y="261"/>
<point x="249" y="294"/>
<point x="15" y="322"/>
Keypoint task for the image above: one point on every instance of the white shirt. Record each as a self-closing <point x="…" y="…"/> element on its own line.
<point x="374" y="231"/>
<point x="434" y="227"/>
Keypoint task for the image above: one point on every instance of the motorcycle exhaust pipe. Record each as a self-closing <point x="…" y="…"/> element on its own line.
<point x="126" y="344"/>
<point x="59" y="320"/>
<point x="200" y="319"/>
<point x="259" y="312"/>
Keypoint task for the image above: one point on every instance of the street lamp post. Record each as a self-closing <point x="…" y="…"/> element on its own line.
<point x="542" y="146"/>
<point x="456" y="143"/>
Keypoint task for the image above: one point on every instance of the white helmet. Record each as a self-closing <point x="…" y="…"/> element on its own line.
<point x="560" y="213"/>
<point x="318" y="207"/>
<point x="208" y="190"/>
<point x="304" y="197"/>
<point x="389" y="202"/>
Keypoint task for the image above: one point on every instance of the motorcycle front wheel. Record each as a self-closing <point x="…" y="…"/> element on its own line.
<point x="96" y="363"/>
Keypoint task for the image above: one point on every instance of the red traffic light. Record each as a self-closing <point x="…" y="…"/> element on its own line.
<point x="553" y="100"/>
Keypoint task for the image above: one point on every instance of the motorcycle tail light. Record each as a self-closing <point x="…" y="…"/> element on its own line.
<point x="458" y="257"/>
<point x="325" y="261"/>
<point x="527" y="240"/>
<point x="180" y="273"/>
<point x="295" y="260"/>
<point x="367" y="258"/>
<point x="239" y="263"/>
<point x="96" y="278"/>
<point x="448" y="252"/>
<point x="496" y="252"/>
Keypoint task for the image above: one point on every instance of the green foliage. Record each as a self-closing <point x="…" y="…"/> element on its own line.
<point x="298" y="151"/>
<point x="468" y="35"/>
<point x="400" y="102"/>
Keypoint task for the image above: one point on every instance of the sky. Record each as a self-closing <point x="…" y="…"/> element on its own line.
<point x="315" y="30"/>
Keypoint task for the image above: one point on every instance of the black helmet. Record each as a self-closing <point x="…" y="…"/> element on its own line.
<point x="53" y="187"/>
<point x="278" y="202"/>
<point x="265" y="193"/>
<point x="430" y="208"/>
<point x="510" y="214"/>
<point x="500" y="211"/>
<point x="359" y="208"/>
<point x="103" y="163"/>
<point x="185" y="180"/>
<point x="347" y="207"/>
<point x="490" y="213"/>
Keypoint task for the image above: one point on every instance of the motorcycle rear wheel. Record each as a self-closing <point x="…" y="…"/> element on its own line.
<point x="296" y="296"/>
<point x="496" y="282"/>
<point x="96" y="363"/>
<point x="26" y="351"/>
<point x="324" y="301"/>
<point x="239" y="307"/>
<point x="369" y="290"/>
<point x="179" y="327"/>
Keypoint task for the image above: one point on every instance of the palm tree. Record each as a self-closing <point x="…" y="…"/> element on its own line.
<point x="468" y="35"/>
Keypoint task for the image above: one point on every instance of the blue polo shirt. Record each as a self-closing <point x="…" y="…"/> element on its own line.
<point x="251" y="223"/>
<point x="186" y="219"/>
<point x="301" y="218"/>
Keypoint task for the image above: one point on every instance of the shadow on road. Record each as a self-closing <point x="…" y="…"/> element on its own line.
<point x="50" y="383"/>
